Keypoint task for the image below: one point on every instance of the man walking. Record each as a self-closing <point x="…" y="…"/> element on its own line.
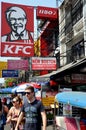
<point x="32" y="110"/>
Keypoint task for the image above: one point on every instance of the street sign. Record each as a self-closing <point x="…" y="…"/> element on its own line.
<point x="10" y="73"/>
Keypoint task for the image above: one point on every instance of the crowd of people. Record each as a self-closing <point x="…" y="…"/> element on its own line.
<point x="27" y="114"/>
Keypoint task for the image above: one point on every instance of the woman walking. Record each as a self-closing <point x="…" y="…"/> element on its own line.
<point x="14" y="112"/>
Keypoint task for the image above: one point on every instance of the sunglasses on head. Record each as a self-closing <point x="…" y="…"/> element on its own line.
<point x="28" y="93"/>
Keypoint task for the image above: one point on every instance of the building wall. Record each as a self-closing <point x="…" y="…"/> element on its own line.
<point x="71" y="33"/>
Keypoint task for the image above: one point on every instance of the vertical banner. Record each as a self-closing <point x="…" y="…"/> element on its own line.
<point x="84" y="23"/>
<point x="17" y="30"/>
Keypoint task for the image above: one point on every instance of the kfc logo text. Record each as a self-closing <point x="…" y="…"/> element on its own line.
<point x="17" y="50"/>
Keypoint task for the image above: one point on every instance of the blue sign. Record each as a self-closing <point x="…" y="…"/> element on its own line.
<point x="10" y="73"/>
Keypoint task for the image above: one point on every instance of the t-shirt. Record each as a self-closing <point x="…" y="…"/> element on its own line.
<point x="33" y="114"/>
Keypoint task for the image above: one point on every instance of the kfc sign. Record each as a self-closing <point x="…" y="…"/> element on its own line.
<point x="17" y="32"/>
<point x="18" y="50"/>
<point x="47" y="13"/>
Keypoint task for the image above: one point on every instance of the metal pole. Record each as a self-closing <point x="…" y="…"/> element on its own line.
<point x="54" y="115"/>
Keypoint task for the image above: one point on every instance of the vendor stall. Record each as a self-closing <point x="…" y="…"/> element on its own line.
<point x="67" y="120"/>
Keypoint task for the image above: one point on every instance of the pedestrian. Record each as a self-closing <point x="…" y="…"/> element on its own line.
<point x="14" y="112"/>
<point x="1" y="120"/>
<point x="3" y="111"/>
<point x="33" y="110"/>
<point x="4" y="106"/>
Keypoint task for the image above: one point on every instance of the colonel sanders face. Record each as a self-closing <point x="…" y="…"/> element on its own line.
<point x="16" y="18"/>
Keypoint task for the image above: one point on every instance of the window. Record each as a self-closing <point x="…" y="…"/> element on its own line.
<point x="78" y="51"/>
<point x="77" y="12"/>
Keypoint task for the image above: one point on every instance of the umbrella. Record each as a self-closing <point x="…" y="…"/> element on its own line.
<point x="33" y="84"/>
<point x="22" y="87"/>
<point x="7" y="90"/>
<point x="0" y="90"/>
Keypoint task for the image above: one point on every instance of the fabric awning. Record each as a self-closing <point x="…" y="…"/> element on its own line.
<point x="76" y="99"/>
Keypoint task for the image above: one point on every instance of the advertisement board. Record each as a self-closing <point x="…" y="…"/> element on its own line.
<point x="10" y="73"/>
<point x="18" y="64"/>
<point x="41" y="63"/>
<point x="47" y="13"/>
<point x="78" y="78"/>
<point x="17" y="30"/>
<point x="3" y="65"/>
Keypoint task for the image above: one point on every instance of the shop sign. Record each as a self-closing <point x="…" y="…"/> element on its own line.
<point x="10" y="73"/>
<point x="78" y="78"/>
<point x="40" y="63"/>
<point x="47" y="13"/>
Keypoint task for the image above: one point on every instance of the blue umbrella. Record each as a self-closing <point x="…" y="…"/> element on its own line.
<point x="6" y="90"/>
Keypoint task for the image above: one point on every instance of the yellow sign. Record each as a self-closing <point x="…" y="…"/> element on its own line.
<point x="47" y="101"/>
<point x="37" y="47"/>
<point x="3" y="65"/>
<point x="0" y="74"/>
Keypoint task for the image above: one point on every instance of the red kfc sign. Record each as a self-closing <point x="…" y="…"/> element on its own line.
<point x="17" y="22"/>
<point x="16" y="50"/>
<point x="47" y="13"/>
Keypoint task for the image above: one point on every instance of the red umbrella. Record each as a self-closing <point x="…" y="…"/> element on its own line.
<point x="33" y="84"/>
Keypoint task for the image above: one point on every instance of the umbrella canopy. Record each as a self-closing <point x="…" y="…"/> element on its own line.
<point x="73" y="98"/>
<point x="35" y="85"/>
<point x="22" y="87"/>
<point x="7" y="90"/>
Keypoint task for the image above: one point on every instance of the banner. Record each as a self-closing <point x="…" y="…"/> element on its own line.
<point x="40" y="63"/>
<point x="9" y="73"/>
<point x="17" y="32"/>
<point x="47" y="13"/>
<point x="3" y="65"/>
<point x="18" y="64"/>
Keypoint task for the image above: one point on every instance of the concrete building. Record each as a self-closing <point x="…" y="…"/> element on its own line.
<point x="71" y="31"/>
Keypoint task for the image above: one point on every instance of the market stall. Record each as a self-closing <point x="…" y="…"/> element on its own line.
<point x="68" y="100"/>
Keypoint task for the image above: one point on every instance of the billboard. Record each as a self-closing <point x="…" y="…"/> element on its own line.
<point x="47" y="13"/>
<point x="41" y="63"/>
<point x="78" y="78"/>
<point x="17" y="30"/>
<point x="10" y="73"/>
<point x="3" y="65"/>
<point x="18" y="64"/>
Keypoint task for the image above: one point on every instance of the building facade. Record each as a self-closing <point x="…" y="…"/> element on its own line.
<point x="71" y="31"/>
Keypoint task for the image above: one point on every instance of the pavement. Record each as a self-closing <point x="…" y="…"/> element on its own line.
<point x="49" y="127"/>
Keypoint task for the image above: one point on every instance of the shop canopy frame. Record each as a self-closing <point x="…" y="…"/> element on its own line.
<point x="73" y="98"/>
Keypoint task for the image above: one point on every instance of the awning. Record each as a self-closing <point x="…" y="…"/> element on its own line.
<point x="59" y="71"/>
<point x="73" y="67"/>
<point x="76" y="99"/>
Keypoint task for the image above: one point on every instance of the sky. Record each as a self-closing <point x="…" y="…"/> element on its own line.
<point x="47" y="3"/>
<point x="35" y="3"/>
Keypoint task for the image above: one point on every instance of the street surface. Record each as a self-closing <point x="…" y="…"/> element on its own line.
<point x="50" y="127"/>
